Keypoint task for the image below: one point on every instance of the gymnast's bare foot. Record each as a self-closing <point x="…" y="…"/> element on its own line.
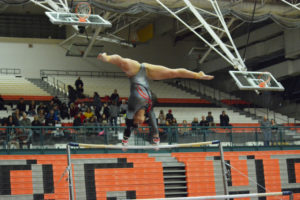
<point x="202" y="76"/>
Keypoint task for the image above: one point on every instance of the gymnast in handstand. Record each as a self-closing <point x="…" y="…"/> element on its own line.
<point x="140" y="100"/>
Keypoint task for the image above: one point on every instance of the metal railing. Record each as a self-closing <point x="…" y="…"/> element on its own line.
<point x="10" y="71"/>
<point x="58" y="136"/>
<point x="45" y="73"/>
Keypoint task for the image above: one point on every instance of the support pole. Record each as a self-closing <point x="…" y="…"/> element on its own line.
<point x="224" y="171"/>
<point x="70" y="176"/>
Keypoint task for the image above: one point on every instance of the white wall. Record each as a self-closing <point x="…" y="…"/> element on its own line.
<point x="51" y="56"/>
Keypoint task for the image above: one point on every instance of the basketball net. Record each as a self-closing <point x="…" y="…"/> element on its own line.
<point x="264" y="80"/>
<point x="83" y="11"/>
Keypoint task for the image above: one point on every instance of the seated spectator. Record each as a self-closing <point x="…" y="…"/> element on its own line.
<point x="104" y="121"/>
<point x="21" y="106"/>
<point x="72" y="94"/>
<point x="41" y="116"/>
<point x="16" y="117"/>
<point x="12" y="133"/>
<point x="88" y="114"/>
<point x="123" y="107"/>
<point x="56" y="110"/>
<point x="97" y="104"/>
<point x="41" y="107"/>
<point x="51" y="119"/>
<point x="114" y="97"/>
<point x="184" y="130"/>
<point x="73" y="110"/>
<point x="50" y="106"/>
<point x="210" y="119"/>
<point x="93" y="126"/>
<point x="31" y="108"/>
<point x="169" y="116"/>
<point x="36" y="131"/>
<point x="83" y="108"/>
<point x="161" y="118"/>
<point x="56" y="101"/>
<point x="224" y="119"/>
<point x="77" y="120"/>
<point x="26" y="135"/>
<point x="64" y="111"/>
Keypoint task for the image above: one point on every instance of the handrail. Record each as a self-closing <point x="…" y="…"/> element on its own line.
<point x="10" y="71"/>
<point x="44" y="73"/>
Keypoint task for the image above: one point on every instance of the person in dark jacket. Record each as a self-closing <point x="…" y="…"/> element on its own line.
<point x="72" y="94"/>
<point x="114" y="97"/>
<point x="97" y="105"/>
<point x="224" y="119"/>
<point x="21" y="105"/>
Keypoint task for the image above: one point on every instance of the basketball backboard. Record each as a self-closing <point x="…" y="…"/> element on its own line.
<point x="264" y="81"/>
<point x="60" y="18"/>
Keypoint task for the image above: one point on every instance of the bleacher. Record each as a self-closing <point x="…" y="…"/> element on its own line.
<point x="14" y="87"/>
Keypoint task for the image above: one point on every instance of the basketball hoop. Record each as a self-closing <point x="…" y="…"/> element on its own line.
<point x="264" y="80"/>
<point x="83" y="11"/>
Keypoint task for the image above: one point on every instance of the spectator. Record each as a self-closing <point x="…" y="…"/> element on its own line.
<point x="16" y="117"/>
<point x="56" y="101"/>
<point x="56" y="110"/>
<point x="64" y="111"/>
<point x="2" y="103"/>
<point x="21" y="105"/>
<point x="174" y="131"/>
<point x="265" y="127"/>
<point x="113" y="113"/>
<point x="51" y="119"/>
<point x="106" y="111"/>
<point x="50" y="106"/>
<point x="73" y="110"/>
<point x="41" y="116"/>
<point x="72" y="94"/>
<point x="162" y="118"/>
<point x="78" y="84"/>
<point x="123" y="107"/>
<point x="114" y="97"/>
<point x="12" y="133"/>
<point x="88" y="114"/>
<point x="224" y="119"/>
<point x="77" y="120"/>
<point x="210" y="119"/>
<point x="195" y="123"/>
<point x="184" y="129"/>
<point x="36" y="131"/>
<point x="83" y="108"/>
<point x="93" y="126"/>
<point x="26" y="136"/>
<point x="204" y="122"/>
<point x="31" y="108"/>
<point x="97" y="105"/>
<point x="104" y="121"/>
<point x="275" y="135"/>
<point x="169" y="116"/>
<point x="41" y="107"/>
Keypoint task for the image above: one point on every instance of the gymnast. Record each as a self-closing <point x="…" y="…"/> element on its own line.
<point x="140" y="100"/>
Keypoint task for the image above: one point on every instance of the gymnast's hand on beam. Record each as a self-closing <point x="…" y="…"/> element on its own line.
<point x="202" y="76"/>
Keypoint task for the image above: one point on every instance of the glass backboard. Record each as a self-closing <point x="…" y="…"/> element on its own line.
<point x="247" y="80"/>
<point x="73" y="19"/>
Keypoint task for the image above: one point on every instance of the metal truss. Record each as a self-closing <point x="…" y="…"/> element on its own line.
<point x="227" y="51"/>
<point x="53" y="6"/>
<point x="294" y="3"/>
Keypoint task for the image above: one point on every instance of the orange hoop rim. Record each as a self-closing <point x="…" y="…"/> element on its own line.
<point x="264" y="83"/>
<point x="83" y="19"/>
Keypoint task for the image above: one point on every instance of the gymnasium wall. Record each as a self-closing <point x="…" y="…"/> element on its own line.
<point x="139" y="175"/>
<point x="47" y="54"/>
